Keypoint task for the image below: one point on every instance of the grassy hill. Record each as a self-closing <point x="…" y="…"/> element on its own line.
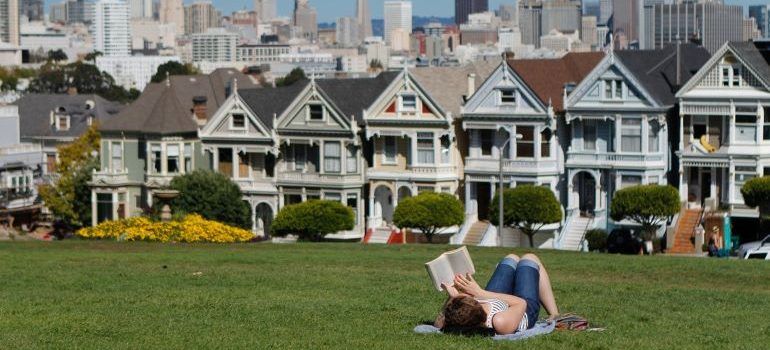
<point x="105" y="295"/>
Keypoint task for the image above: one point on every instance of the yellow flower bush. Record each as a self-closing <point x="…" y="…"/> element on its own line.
<point x="192" y="229"/>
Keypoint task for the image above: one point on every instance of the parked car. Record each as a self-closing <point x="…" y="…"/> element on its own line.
<point x="745" y="248"/>
<point x="761" y="253"/>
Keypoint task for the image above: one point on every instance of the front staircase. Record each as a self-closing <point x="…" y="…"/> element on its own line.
<point x="476" y="233"/>
<point x="379" y="235"/>
<point x="575" y="232"/>
<point x="683" y="238"/>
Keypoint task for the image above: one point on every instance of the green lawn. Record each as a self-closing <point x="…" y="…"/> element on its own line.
<point x="103" y="295"/>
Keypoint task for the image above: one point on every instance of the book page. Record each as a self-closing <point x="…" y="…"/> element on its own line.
<point x="461" y="261"/>
<point x="447" y="265"/>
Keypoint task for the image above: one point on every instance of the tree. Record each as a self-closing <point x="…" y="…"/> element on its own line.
<point x="57" y="56"/>
<point x="173" y="68"/>
<point x="375" y="65"/>
<point x="756" y="194"/>
<point x="313" y="220"/>
<point x="91" y="56"/>
<point x="647" y="205"/>
<point x="429" y="212"/>
<point x="294" y="76"/>
<point x="527" y="208"/>
<point x="69" y="197"/>
<point x="85" y="78"/>
<point x="211" y="195"/>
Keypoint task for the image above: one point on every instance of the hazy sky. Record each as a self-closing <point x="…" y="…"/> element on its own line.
<point x="330" y="10"/>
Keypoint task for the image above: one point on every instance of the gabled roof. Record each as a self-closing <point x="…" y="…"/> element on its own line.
<point x="448" y="85"/>
<point x="547" y="77"/>
<point x="756" y="55"/>
<point x="350" y="96"/>
<point x="657" y="69"/>
<point x="35" y="113"/>
<point x="166" y="108"/>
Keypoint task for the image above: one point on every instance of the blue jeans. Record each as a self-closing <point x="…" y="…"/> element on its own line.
<point x="520" y="279"/>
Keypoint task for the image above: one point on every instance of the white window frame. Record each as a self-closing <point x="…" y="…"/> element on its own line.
<point x="728" y="75"/>
<point x="351" y="159"/>
<point x="166" y="157"/>
<point x="624" y="127"/>
<point x="425" y="136"/>
<point x="232" y="122"/>
<point x="151" y="158"/>
<point x="191" y="161"/>
<point x="60" y="127"/>
<point x="113" y="158"/>
<point x="328" y="157"/>
<point x="522" y="142"/>
<point x="310" y="112"/>
<point x="501" y="96"/>
<point x="385" y="147"/>
<point x="402" y="105"/>
<point x="738" y="126"/>
<point x="295" y="148"/>
<point x="585" y="126"/>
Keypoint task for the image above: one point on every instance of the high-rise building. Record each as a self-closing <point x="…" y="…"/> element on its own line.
<point x="709" y="23"/>
<point x="305" y="20"/>
<point x="140" y="8"/>
<point x="266" y="10"/>
<point x="348" y="31"/>
<point x="509" y="15"/>
<point x="200" y="16"/>
<point x="33" y="9"/>
<point x="9" y="22"/>
<point x="398" y="21"/>
<point x="588" y="31"/>
<point x="463" y="8"/>
<point x="110" y="27"/>
<point x="605" y="11"/>
<point x="562" y="15"/>
<point x="626" y="19"/>
<point x="77" y="11"/>
<point x="530" y="17"/>
<point x="58" y="12"/>
<point x="761" y="14"/>
<point x="172" y="12"/>
<point x="364" y="18"/>
<point x="214" y="45"/>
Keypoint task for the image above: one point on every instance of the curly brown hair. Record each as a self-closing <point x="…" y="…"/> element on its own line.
<point x="464" y="312"/>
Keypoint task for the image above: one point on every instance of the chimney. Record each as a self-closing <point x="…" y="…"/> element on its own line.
<point x="199" y="109"/>
<point x="471" y="85"/>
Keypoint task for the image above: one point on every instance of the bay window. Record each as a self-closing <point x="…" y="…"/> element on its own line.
<point x="243" y="165"/>
<point x="630" y="180"/>
<point x="226" y="161"/>
<point x="390" y="149"/>
<point x="300" y="157"/>
<point x="525" y="146"/>
<point x="545" y="143"/>
<point x="352" y="202"/>
<point x="332" y="157"/>
<point x="425" y="148"/>
<point x="631" y="135"/>
<point x="746" y="128"/>
<point x="117" y="157"/>
<point x="653" y="142"/>
<point x="188" y="158"/>
<point x="487" y="140"/>
<point x="589" y="135"/>
<point x="172" y="158"/>
<point x="351" y="162"/>
<point x="742" y="175"/>
<point x="445" y="149"/>
<point x="156" y="158"/>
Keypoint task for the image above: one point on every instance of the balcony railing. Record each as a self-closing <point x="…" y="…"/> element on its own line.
<point x="297" y="177"/>
<point x="262" y="185"/>
<point x="111" y="176"/>
<point x="613" y="158"/>
<point x="511" y="166"/>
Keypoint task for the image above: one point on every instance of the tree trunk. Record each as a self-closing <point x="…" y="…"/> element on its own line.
<point x="531" y="238"/>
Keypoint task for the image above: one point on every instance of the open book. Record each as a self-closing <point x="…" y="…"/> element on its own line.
<point x="444" y="268"/>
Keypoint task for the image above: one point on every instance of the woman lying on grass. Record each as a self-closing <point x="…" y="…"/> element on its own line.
<point x="510" y="303"/>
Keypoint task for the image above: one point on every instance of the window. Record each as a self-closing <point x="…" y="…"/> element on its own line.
<point x="63" y="122"/>
<point x="351" y="163"/>
<point x="653" y="142"/>
<point x="425" y="148"/>
<point x="630" y="180"/>
<point x="618" y="89"/>
<point x="487" y="141"/>
<point x="333" y="196"/>
<point x="239" y="121"/>
<point x="421" y="189"/>
<point x="352" y="202"/>
<point x="726" y="76"/>
<point x="745" y="128"/>
<point x="117" y="157"/>
<point x="289" y="199"/>
<point x="50" y="160"/>
<point x="332" y="160"/>
<point x="631" y="135"/>
<point x="408" y="103"/>
<point x="300" y="157"/>
<point x="507" y="96"/>
<point x="613" y="89"/>
<point x="172" y="158"/>
<point x="766" y="127"/>
<point x="188" y="162"/>
<point x="742" y="175"/>
<point x="545" y="143"/>
<point x="390" y="150"/>
<point x="156" y="158"/>
<point x="226" y="161"/>
<point x="243" y="165"/>
<point x="525" y="147"/>
<point x="316" y="112"/>
<point x="589" y="135"/>
<point x="446" y="150"/>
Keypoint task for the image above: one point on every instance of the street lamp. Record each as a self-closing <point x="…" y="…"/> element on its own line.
<point x="500" y="181"/>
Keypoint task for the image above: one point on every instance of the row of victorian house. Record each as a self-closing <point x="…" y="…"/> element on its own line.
<point x="584" y="125"/>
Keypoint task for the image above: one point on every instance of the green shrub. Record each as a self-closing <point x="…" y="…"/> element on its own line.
<point x="597" y="240"/>
<point x="647" y="205"/>
<point x="213" y="196"/>
<point x="313" y="220"/>
<point x="429" y="212"/>
<point x="756" y="194"/>
<point x="528" y="208"/>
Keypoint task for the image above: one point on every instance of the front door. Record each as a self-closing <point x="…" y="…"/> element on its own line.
<point x="483" y="198"/>
<point x="587" y="186"/>
<point x="705" y="186"/>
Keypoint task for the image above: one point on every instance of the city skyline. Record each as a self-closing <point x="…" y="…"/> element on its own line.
<point x="330" y="10"/>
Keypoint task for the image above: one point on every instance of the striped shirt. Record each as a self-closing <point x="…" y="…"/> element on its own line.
<point x="496" y="306"/>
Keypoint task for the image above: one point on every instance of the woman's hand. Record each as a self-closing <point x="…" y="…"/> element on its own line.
<point x="466" y="284"/>
<point x="450" y="290"/>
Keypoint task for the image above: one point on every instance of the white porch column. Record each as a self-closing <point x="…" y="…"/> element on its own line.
<point x="321" y="169"/>
<point x="645" y="134"/>
<point x="732" y="123"/>
<point x="236" y="162"/>
<point x="253" y="218"/>
<point x="570" y="189"/>
<point x="713" y="184"/>
<point x="681" y="131"/>
<point x="371" y="206"/>
<point x="537" y="138"/>
<point x="731" y="174"/>
<point x="215" y="158"/>
<point x="411" y="153"/>
<point x="469" y="207"/>
<point x="93" y="208"/>
<point x="618" y="122"/>
<point x="760" y="122"/>
<point x="281" y="199"/>
<point x="512" y="145"/>
<point x="683" y="185"/>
